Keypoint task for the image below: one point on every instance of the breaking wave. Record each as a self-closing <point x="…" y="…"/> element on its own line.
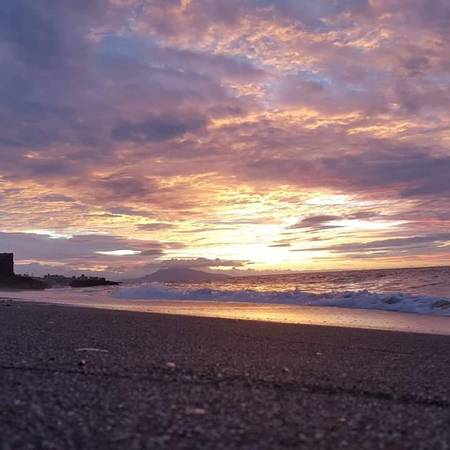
<point x="362" y="299"/>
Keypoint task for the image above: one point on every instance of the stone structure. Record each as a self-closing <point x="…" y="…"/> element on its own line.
<point x="6" y="265"/>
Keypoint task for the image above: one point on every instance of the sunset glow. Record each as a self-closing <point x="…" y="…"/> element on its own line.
<point x="242" y="136"/>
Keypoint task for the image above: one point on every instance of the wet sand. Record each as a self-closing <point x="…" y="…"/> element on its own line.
<point x="294" y="314"/>
<point x="92" y="378"/>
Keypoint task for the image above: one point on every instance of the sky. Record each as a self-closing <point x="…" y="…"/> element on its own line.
<point x="239" y="135"/>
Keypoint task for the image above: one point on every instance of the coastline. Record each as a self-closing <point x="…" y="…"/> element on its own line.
<point x="278" y="313"/>
<point x="95" y="378"/>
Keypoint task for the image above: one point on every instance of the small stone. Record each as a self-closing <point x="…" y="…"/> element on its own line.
<point x="196" y="411"/>
<point x="285" y="370"/>
<point x="91" y="349"/>
<point x="82" y="362"/>
<point x="171" y="365"/>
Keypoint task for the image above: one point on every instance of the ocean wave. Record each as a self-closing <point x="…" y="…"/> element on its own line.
<point x="362" y="299"/>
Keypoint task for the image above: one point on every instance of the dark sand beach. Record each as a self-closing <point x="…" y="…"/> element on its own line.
<point x="85" y="378"/>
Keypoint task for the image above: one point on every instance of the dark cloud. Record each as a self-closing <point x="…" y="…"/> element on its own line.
<point x="123" y="186"/>
<point x="386" y="244"/>
<point x="322" y="222"/>
<point x="41" y="32"/>
<point x="332" y="93"/>
<point x="157" y="129"/>
<point x="155" y="226"/>
<point x="362" y="215"/>
<point x="196" y="263"/>
<point x="314" y="221"/>
<point x="412" y="172"/>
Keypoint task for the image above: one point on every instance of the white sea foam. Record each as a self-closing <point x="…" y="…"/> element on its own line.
<point x="362" y="299"/>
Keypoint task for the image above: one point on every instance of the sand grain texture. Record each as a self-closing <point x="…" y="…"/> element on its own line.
<point x="84" y="378"/>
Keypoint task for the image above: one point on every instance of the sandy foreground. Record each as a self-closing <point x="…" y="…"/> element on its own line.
<point x="93" y="378"/>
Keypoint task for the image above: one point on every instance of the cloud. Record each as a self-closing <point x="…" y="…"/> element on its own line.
<point x="127" y="211"/>
<point x="314" y="221"/>
<point x="44" y="253"/>
<point x="387" y="244"/>
<point x="220" y="117"/>
<point x="45" y="246"/>
<point x="412" y="172"/>
<point x="154" y="226"/>
<point x="123" y="186"/>
<point x="197" y="263"/>
<point x="156" y="129"/>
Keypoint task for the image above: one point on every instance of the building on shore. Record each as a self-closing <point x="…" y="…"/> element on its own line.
<point x="6" y="265"/>
<point x="9" y="280"/>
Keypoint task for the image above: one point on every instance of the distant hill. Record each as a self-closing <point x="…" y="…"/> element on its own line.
<point x="183" y="275"/>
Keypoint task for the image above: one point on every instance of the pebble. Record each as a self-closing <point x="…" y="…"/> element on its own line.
<point x="196" y="411"/>
<point x="91" y="349"/>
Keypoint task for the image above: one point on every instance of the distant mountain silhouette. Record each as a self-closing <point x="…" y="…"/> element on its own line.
<point x="184" y="275"/>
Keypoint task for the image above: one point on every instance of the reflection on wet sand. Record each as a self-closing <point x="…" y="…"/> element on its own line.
<point x="326" y="316"/>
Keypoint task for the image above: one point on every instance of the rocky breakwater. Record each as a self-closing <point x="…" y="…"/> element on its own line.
<point x="9" y="280"/>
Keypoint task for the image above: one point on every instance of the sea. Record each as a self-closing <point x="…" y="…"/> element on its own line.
<point x="418" y="290"/>
<point x="421" y="291"/>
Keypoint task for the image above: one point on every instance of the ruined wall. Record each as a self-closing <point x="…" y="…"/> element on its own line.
<point x="6" y="265"/>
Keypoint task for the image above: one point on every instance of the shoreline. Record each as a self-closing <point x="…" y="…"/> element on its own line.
<point x="371" y="319"/>
<point x="120" y="379"/>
